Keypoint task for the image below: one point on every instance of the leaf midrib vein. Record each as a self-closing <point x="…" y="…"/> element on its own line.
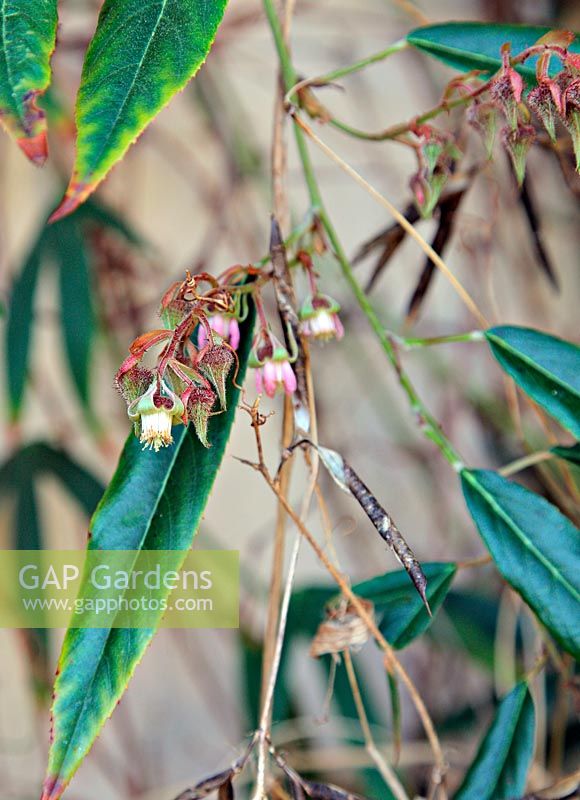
<point x="519" y="354"/>
<point x="123" y="105"/>
<point x="62" y="761"/>
<point x="9" y="72"/>
<point x="522" y="536"/>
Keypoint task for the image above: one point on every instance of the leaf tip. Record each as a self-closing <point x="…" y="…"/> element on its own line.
<point x="35" y="148"/>
<point x="76" y="194"/>
<point x="52" y="788"/>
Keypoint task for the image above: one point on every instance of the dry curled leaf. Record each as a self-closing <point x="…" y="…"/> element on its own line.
<point x="342" y="629"/>
<point x="567" y="788"/>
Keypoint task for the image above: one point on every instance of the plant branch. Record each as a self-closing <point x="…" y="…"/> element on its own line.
<point x="429" y="424"/>
<point x="391" y="661"/>
<point x="341" y="72"/>
<point x="385" y="770"/>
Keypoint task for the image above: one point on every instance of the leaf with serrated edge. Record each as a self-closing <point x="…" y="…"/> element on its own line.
<point x="545" y="367"/>
<point x="499" y="769"/>
<point x="154" y="502"/>
<point x="140" y="56"/>
<point x="534" y="546"/>
<point x="27" y="38"/>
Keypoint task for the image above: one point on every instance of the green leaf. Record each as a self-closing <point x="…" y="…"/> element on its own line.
<point x="140" y="56"/>
<point x="535" y="547"/>
<point x="76" y="311"/>
<point x="18" y="477"/>
<point x="545" y="367"/>
<point x="37" y="459"/>
<point x="400" y="612"/>
<point x="473" y="618"/>
<point x="68" y="245"/>
<point x="571" y="454"/>
<point x="154" y="502"/>
<point x="499" y="769"/>
<point x="19" y="328"/>
<point x="477" y="45"/>
<point x="27" y="39"/>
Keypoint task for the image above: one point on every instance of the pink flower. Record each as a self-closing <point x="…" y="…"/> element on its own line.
<point x="271" y="361"/>
<point x="275" y="375"/>
<point x="226" y="327"/>
<point x="319" y="318"/>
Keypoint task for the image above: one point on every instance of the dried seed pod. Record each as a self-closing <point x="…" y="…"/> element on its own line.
<point x="342" y="629"/>
<point x="209" y="785"/>
<point x="349" y="481"/>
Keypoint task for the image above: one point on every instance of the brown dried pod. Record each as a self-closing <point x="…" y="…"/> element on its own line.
<point x="348" y="480"/>
<point x="342" y="629"/>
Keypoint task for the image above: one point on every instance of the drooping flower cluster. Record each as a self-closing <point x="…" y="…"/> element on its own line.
<point x="317" y="319"/>
<point x="555" y="98"/>
<point x="188" y="378"/>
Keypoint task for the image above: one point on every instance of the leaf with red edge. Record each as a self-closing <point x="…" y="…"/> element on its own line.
<point x="154" y="501"/>
<point x="27" y="39"/>
<point x="140" y="56"/>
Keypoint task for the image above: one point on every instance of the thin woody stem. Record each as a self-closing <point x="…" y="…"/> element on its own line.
<point x="341" y="72"/>
<point x="429" y="424"/>
<point x="400" y="219"/>
<point x="390" y="658"/>
<point x="385" y="770"/>
<point x="372" y="626"/>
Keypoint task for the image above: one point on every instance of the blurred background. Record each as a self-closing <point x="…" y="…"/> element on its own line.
<point x="194" y="193"/>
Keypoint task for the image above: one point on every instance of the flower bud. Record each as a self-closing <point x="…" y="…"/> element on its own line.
<point x="199" y="406"/>
<point x="517" y="142"/>
<point x="273" y="369"/>
<point x="132" y="380"/>
<point x="506" y="89"/>
<point x="541" y="100"/>
<point x="215" y="364"/>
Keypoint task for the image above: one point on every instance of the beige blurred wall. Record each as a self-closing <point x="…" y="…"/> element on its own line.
<point x="181" y="717"/>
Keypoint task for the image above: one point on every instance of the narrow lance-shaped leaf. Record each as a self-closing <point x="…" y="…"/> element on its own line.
<point x="39" y="458"/>
<point x="140" y="56"/>
<point x="534" y="546"/>
<point x="499" y="769"/>
<point x="349" y="482"/>
<point x="27" y="38"/>
<point x="545" y="367"/>
<point x="477" y="45"/>
<point x="154" y="502"/>
<point x="19" y="328"/>
<point x="67" y="244"/>
<point x="76" y="312"/>
<point x="401" y="614"/>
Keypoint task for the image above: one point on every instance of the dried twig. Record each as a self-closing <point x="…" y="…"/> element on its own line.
<point x="392" y="661"/>
<point x="529" y="207"/>
<point x="385" y="770"/>
<point x="448" y="207"/>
